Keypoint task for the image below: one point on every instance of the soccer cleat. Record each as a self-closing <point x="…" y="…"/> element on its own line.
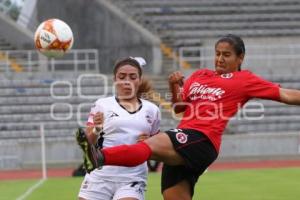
<point x="93" y="158"/>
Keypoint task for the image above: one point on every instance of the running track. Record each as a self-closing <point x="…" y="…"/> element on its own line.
<point x="67" y="172"/>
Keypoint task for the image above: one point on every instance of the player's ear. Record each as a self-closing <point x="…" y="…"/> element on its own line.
<point x="241" y="58"/>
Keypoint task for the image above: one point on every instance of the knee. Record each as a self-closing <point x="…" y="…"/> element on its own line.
<point x="176" y="196"/>
<point x="180" y="191"/>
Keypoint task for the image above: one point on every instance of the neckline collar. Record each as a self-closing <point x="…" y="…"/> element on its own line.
<point x="139" y="108"/>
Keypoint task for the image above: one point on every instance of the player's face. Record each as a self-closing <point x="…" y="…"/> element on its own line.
<point x="127" y="81"/>
<point x="226" y="59"/>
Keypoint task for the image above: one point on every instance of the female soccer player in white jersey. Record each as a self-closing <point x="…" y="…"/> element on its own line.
<point x="120" y="120"/>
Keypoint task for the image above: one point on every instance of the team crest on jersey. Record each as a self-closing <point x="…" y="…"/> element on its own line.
<point x="149" y="119"/>
<point x="181" y="137"/>
<point x="112" y="114"/>
<point x="228" y="75"/>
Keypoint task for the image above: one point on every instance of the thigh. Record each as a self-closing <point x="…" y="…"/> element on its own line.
<point x="96" y="189"/>
<point x="194" y="147"/>
<point x="163" y="150"/>
<point x="130" y="191"/>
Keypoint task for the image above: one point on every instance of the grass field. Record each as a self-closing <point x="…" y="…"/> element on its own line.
<point x="266" y="184"/>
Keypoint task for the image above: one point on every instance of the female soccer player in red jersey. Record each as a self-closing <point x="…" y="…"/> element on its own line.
<point x="208" y="100"/>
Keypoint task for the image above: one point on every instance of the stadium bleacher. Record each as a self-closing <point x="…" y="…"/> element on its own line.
<point x="189" y="20"/>
<point x="27" y="101"/>
<point x="4" y="45"/>
<point x="185" y="23"/>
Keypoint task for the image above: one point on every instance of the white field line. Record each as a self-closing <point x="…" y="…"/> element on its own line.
<point x="31" y="189"/>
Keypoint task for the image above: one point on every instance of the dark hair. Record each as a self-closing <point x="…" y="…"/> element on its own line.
<point x="146" y="85"/>
<point x="128" y="61"/>
<point x="236" y="42"/>
<point x="144" y="89"/>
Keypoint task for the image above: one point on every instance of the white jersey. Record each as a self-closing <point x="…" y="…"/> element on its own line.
<point x="123" y="127"/>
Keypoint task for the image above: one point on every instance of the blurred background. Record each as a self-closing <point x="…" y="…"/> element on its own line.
<point x="52" y="97"/>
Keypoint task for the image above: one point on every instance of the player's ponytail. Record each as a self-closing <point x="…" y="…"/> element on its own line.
<point x="144" y="89"/>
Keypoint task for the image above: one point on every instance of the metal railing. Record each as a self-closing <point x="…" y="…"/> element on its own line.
<point x="77" y="60"/>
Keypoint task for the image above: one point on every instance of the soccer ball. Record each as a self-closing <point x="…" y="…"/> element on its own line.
<point x="53" y="38"/>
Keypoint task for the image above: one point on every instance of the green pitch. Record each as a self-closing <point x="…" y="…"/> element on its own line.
<point x="269" y="184"/>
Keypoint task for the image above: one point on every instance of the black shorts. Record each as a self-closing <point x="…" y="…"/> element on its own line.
<point x="197" y="151"/>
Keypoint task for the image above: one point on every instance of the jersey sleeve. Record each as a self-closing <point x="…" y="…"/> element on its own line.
<point x="94" y="109"/>
<point x="156" y="123"/>
<point x="256" y="87"/>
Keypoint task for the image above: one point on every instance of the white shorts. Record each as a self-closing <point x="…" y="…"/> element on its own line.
<point x="108" y="190"/>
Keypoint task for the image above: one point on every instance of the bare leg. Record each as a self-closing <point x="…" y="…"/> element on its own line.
<point x="180" y="191"/>
<point x="163" y="150"/>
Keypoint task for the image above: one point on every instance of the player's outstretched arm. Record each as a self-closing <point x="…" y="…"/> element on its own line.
<point x="289" y="96"/>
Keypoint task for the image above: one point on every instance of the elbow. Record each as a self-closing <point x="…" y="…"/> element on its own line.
<point x="291" y="101"/>
<point x="179" y="108"/>
<point x="290" y="96"/>
<point x="287" y="97"/>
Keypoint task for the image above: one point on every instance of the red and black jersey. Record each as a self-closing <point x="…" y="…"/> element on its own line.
<point x="212" y="99"/>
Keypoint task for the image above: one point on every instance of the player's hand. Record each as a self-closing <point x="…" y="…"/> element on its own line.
<point x="142" y="137"/>
<point x="176" y="78"/>
<point x="98" y="119"/>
